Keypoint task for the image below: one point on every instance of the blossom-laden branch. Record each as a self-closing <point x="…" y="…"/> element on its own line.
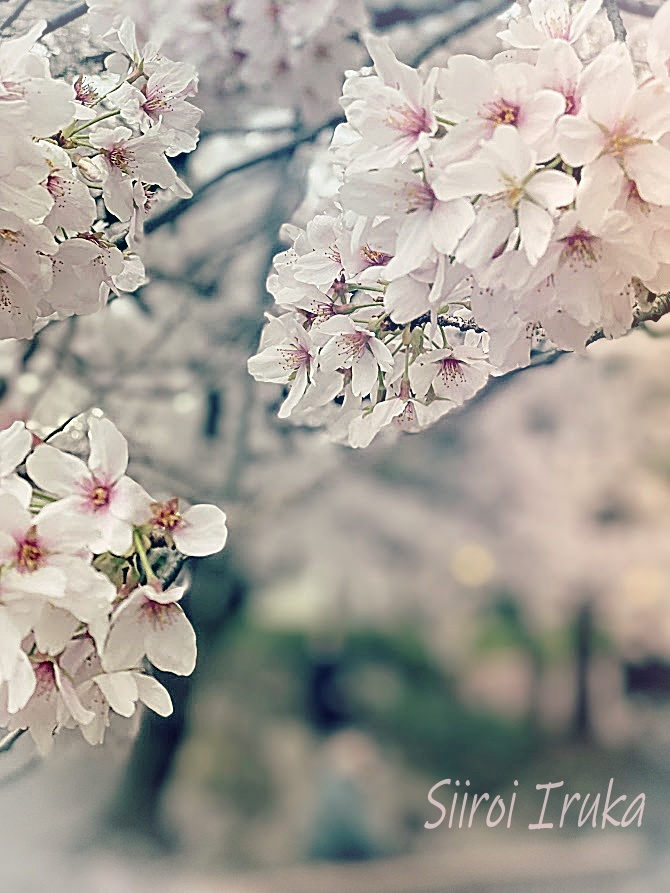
<point x="84" y="155"/>
<point x="487" y="211"/>
<point x="89" y="591"/>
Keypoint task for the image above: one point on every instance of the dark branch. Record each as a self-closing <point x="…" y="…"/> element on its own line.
<point x="614" y="15"/>
<point x="13" y="16"/>
<point x="474" y="20"/>
<point x="639" y="7"/>
<point x="286" y="151"/>
<point x="65" y="18"/>
<point x="10" y="739"/>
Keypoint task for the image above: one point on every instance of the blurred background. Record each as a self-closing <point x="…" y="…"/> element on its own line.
<point x="488" y="601"/>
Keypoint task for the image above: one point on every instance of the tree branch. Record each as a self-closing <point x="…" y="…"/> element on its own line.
<point x="13" y="16"/>
<point x="65" y="18"/>
<point x="474" y="20"/>
<point x="639" y="7"/>
<point x="175" y="211"/>
<point x="10" y="738"/>
<point x="614" y="15"/>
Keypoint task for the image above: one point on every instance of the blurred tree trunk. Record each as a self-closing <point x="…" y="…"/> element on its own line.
<point x="583" y="654"/>
<point x="217" y="596"/>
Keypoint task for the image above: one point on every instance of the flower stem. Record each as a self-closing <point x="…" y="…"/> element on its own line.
<point x="141" y="551"/>
<point x="68" y="133"/>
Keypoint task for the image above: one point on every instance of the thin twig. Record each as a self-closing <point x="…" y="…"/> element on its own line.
<point x="614" y="15"/>
<point x="639" y="8"/>
<point x="457" y="30"/>
<point x="10" y="739"/>
<point x="65" y="18"/>
<point x="13" y="16"/>
<point x="174" y="211"/>
<point x="61" y="428"/>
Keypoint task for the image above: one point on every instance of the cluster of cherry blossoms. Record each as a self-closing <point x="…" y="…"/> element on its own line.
<point x="291" y="53"/>
<point x="89" y="595"/>
<point x="80" y="165"/>
<point x="486" y="209"/>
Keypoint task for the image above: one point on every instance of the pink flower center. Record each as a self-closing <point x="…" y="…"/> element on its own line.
<point x="296" y="358"/>
<point x="166" y="515"/>
<point x="29" y="553"/>
<point x="621" y="139"/>
<point x="572" y="104"/>
<point x="580" y="247"/>
<point x="375" y="258"/>
<point x="419" y="195"/>
<point x="85" y="92"/>
<point x="157" y="614"/>
<point x="557" y="26"/>
<point x="407" y="418"/>
<point x="410" y="121"/>
<point x="502" y="112"/>
<point x="156" y="103"/>
<point x="55" y="186"/>
<point x="451" y="369"/>
<point x="46" y="678"/>
<point x="354" y="344"/>
<point x="99" y="495"/>
<point x="121" y="157"/>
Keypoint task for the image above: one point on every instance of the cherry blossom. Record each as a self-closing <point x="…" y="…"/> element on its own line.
<point x="487" y="209"/>
<point x="199" y="530"/>
<point x="151" y="623"/>
<point x="100" y="490"/>
<point x="77" y="623"/>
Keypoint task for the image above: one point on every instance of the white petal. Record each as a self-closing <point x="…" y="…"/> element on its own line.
<point x="406" y="298"/>
<point x="120" y="689"/>
<point x="203" y="532"/>
<point x="364" y="374"/>
<point x="21" y="686"/>
<point x="18" y="487"/>
<point x="170" y="642"/>
<point x="153" y="694"/>
<point x="15" y="442"/>
<point x="363" y="429"/>
<point x="649" y="166"/>
<point x="130" y="502"/>
<point x="536" y="227"/>
<point x="125" y="644"/>
<point x="115" y="535"/>
<point x="449" y="221"/>
<point x="109" y="450"/>
<point x="551" y="189"/>
<point x="56" y="472"/>
<point x="79" y="713"/>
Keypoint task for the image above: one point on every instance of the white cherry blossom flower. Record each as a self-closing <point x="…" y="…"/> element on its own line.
<point x="622" y="120"/>
<point x="289" y="358"/>
<point x="392" y="111"/>
<point x="198" y="531"/>
<point x="480" y="97"/>
<point x="150" y="622"/>
<point x="350" y="346"/>
<point x="454" y="373"/>
<point x="99" y="490"/>
<point x="550" y="20"/>
<point x="520" y="194"/>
